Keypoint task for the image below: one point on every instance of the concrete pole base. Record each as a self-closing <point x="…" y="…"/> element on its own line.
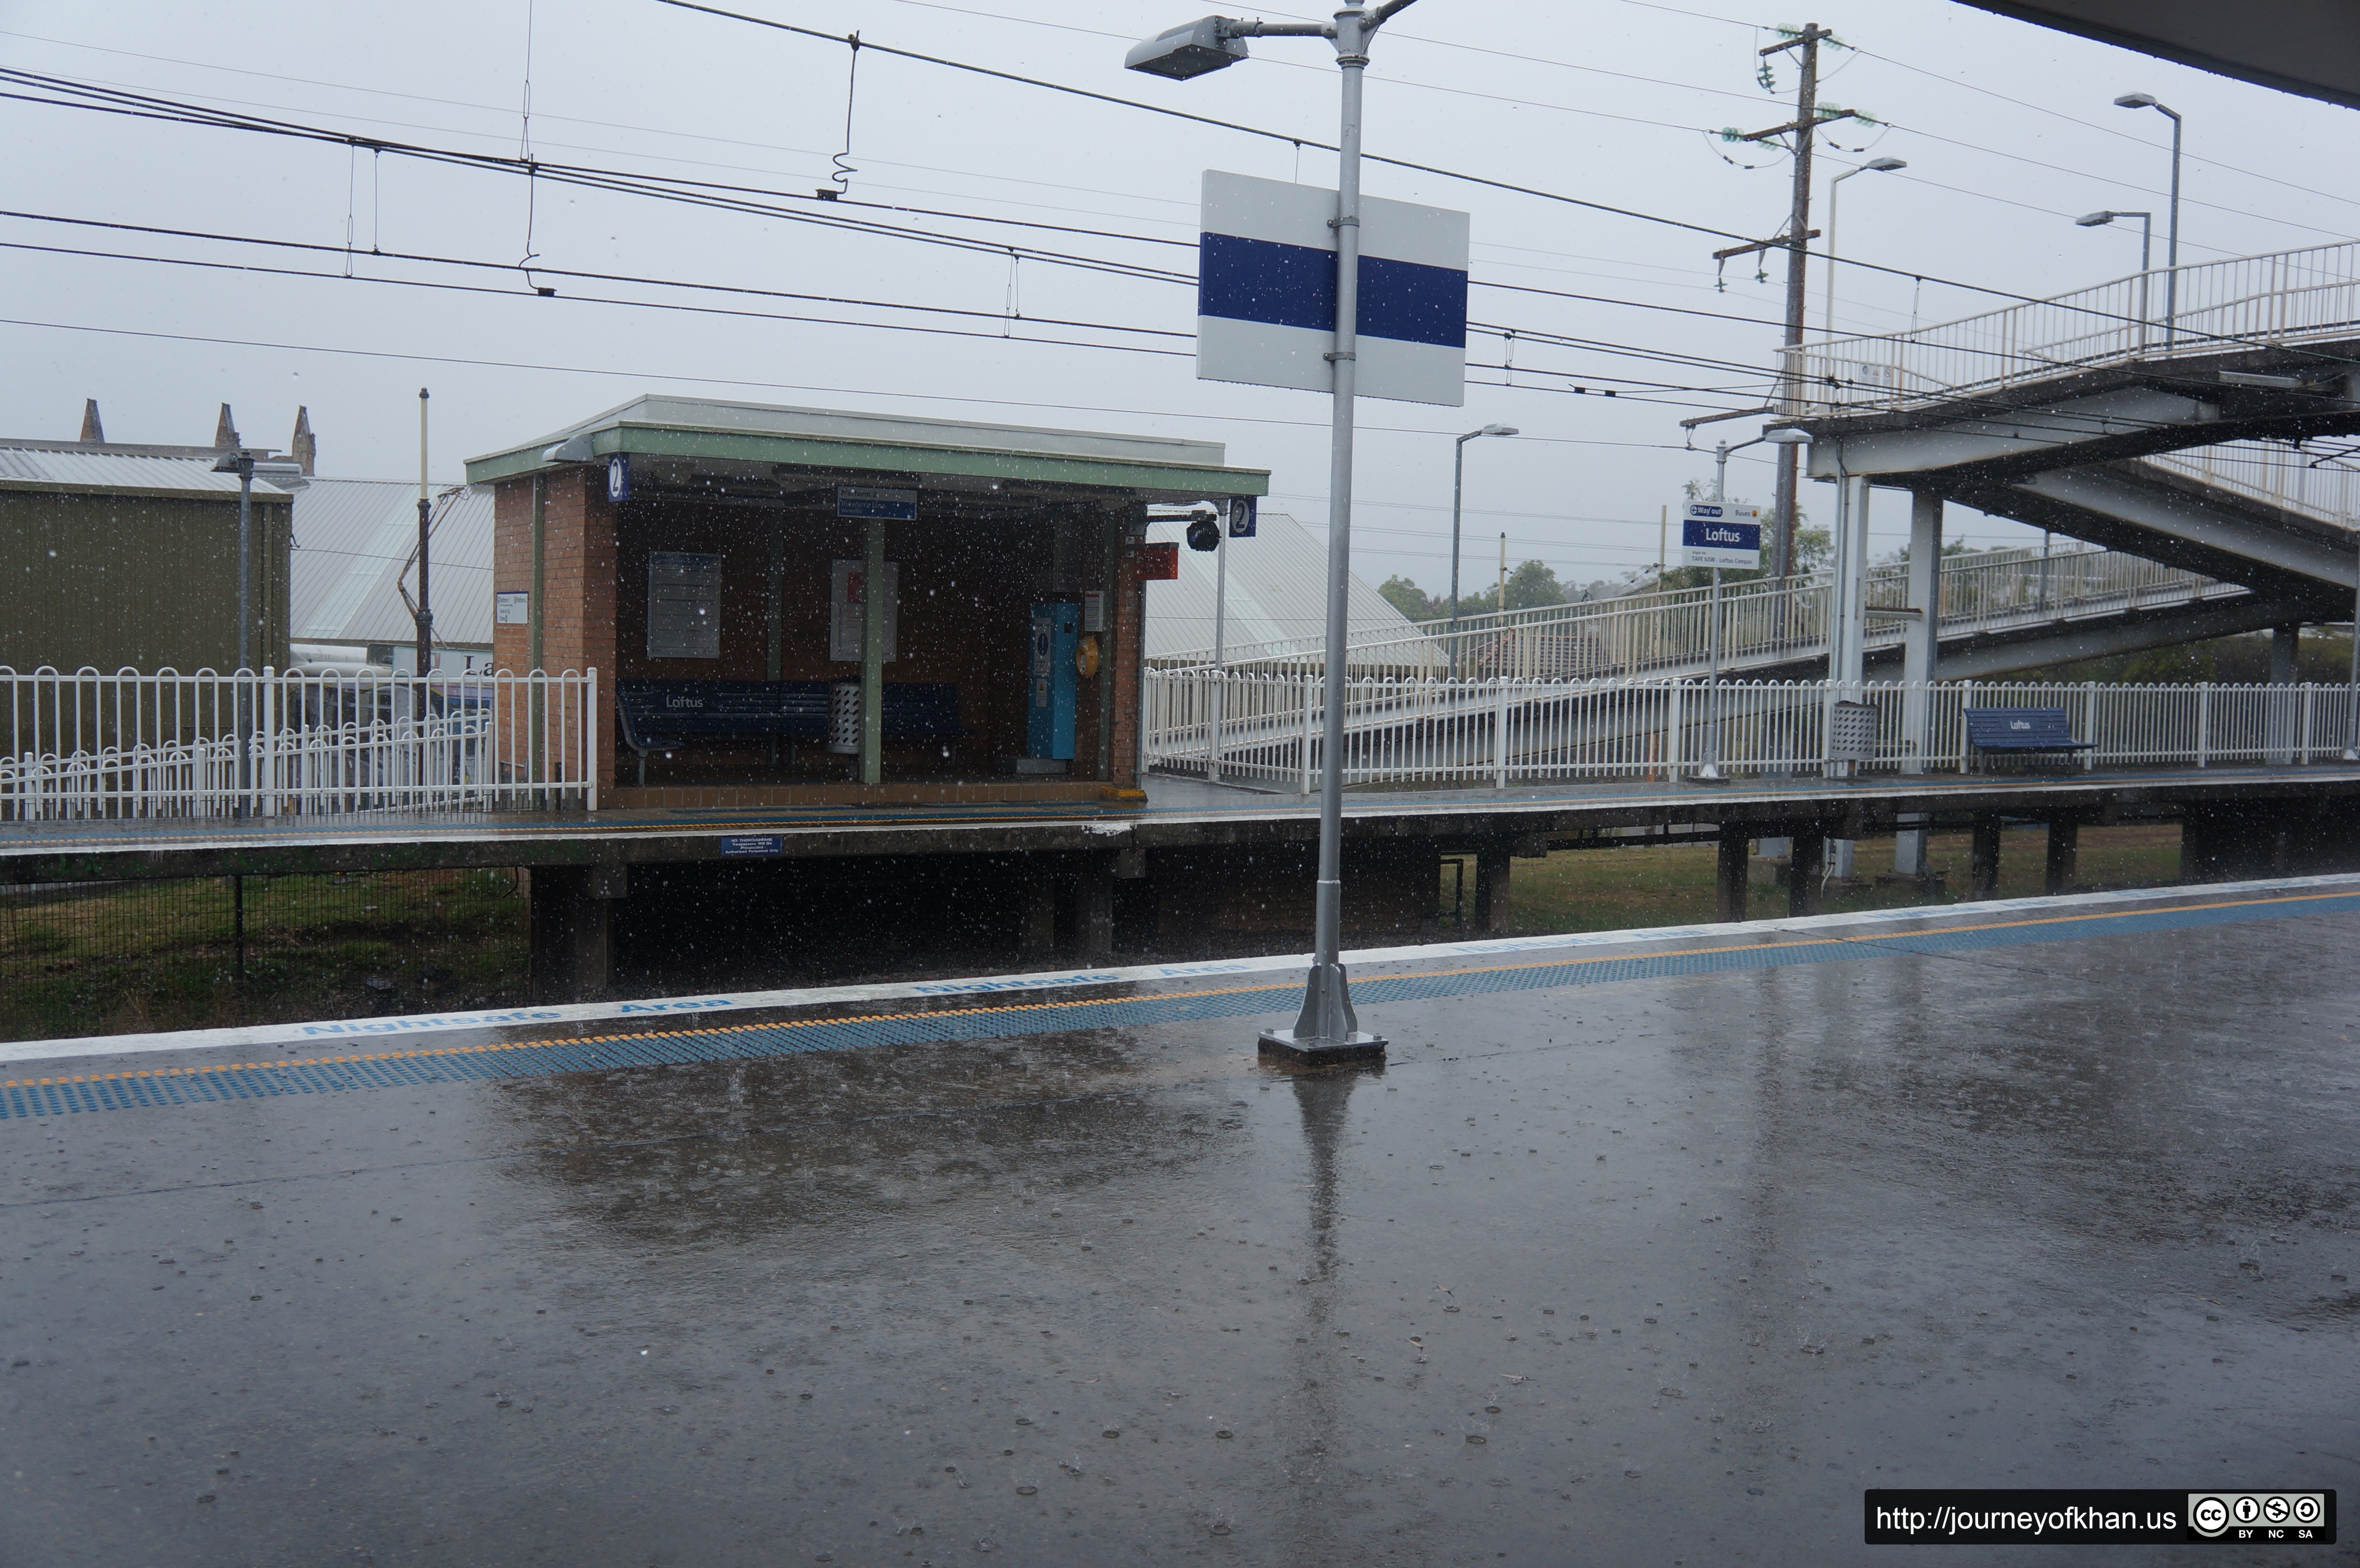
<point x="1281" y="1048"/>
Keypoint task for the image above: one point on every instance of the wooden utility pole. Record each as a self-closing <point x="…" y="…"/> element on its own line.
<point x="1797" y="241"/>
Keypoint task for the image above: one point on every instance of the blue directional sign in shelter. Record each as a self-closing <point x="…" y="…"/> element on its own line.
<point x="1266" y="291"/>
<point x="1714" y="533"/>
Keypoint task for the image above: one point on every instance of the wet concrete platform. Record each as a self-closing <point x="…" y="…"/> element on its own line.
<point x="1660" y="1269"/>
<point x="1175" y="813"/>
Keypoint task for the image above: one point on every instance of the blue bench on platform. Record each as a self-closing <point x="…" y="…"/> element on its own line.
<point x="2021" y="729"/>
<point x="660" y="715"/>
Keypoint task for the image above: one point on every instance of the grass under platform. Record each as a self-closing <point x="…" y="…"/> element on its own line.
<point x="126" y="957"/>
<point x="1615" y="889"/>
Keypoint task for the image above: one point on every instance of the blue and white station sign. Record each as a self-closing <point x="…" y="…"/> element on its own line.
<point x="1714" y="533"/>
<point x="1266" y="291"/>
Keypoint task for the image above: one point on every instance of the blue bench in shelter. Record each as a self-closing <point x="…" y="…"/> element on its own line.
<point x="657" y="716"/>
<point x="2021" y="729"/>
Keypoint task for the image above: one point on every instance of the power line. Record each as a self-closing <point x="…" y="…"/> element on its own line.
<point x="780" y="386"/>
<point x="703" y="193"/>
<point x="1005" y="335"/>
<point x="1327" y="146"/>
<point x="731" y="198"/>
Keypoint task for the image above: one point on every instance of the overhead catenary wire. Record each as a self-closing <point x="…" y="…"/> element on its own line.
<point x="647" y="375"/>
<point x="647" y="185"/>
<point x="854" y="302"/>
<point x="726" y="198"/>
<point x="1852" y="50"/>
<point x="1325" y="147"/>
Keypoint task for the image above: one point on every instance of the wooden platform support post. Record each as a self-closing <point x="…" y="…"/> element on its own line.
<point x="2064" y="845"/>
<point x="1492" y="904"/>
<point x="1729" y="878"/>
<point x="1983" y="860"/>
<point x="1038" y="938"/>
<point x="1094" y="912"/>
<point x="572" y="939"/>
<point x="1805" y="871"/>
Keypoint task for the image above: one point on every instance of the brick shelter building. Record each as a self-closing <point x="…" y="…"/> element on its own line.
<point x="709" y="560"/>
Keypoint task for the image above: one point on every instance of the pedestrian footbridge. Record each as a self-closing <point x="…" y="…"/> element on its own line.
<point x="2197" y="417"/>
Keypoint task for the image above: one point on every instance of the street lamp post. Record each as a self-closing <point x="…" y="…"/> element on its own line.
<point x="2352" y="749"/>
<point x="1873" y="166"/>
<point x="2171" y="239"/>
<point x="1327" y="1030"/>
<point x="2147" y="252"/>
<point x="1711" y="772"/>
<point x="241" y="462"/>
<point x="1458" y="482"/>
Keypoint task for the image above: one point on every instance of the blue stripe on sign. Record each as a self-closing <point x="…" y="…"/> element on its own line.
<point x="1411" y="302"/>
<point x="1257" y="280"/>
<point x="1294" y="286"/>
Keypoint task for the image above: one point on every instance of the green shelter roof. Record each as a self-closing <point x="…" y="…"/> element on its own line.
<point x="747" y="438"/>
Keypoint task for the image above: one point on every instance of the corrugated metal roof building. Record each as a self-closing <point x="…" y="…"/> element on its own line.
<point x="354" y="571"/>
<point x="1278" y="594"/>
<point x="116" y="557"/>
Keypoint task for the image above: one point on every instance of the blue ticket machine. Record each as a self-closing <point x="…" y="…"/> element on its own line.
<point x="1050" y="681"/>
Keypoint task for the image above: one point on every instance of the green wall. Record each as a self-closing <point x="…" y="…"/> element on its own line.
<point x="146" y="581"/>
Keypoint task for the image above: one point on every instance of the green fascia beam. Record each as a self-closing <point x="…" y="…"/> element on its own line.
<point x="873" y="457"/>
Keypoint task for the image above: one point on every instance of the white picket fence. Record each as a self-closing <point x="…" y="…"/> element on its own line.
<point x="1510" y="731"/>
<point x="275" y="744"/>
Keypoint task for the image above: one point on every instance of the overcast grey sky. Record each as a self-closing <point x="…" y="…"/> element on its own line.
<point x="2009" y="131"/>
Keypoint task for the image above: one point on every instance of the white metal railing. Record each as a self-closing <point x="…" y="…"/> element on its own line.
<point x="129" y="745"/>
<point x="2326" y="493"/>
<point x="2286" y="297"/>
<point x="1512" y="730"/>
<point x="1763" y="621"/>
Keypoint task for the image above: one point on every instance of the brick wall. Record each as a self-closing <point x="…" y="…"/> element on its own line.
<point x="577" y="613"/>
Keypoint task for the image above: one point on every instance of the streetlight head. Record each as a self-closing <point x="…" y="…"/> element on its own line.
<point x="1787" y="437"/>
<point x="1190" y="49"/>
<point x="2136" y="101"/>
<point x="1501" y="431"/>
<point x="2093" y="219"/>
<point x="1885" y="164"/>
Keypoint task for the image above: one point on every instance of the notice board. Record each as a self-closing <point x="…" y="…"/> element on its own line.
<point x="844" y="591"/>
<point x="684" y="605"/>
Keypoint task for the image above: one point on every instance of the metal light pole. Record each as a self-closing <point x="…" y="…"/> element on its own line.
<point x="425" y="598"/>
<point x="1711" y="772"/>
<point x="241" y="462"/>
<point x="1873" y="166"/>
<point x="1458" y="483"/>
<point x="2147" y="252"/>
<point x="1326" y="1031"/>
<point x="1220" y="651"/>
<point x="2171" y="241"/>
<point x="2352" y="750"/>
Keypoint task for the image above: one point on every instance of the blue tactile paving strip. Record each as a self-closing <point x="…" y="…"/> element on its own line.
<point x="153" y="1088"/>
